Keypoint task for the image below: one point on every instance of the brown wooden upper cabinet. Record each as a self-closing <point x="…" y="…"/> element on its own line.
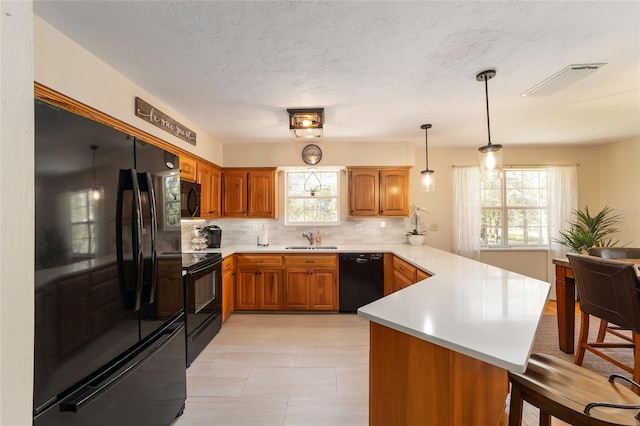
<point x="379" y="191"/>
<point x="249" y="192"/>
<point x="209" y="177"/>
<point x="188" y="168"/>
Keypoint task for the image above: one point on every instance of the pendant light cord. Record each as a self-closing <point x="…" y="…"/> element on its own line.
<point x="486" y="95"/>
<point x="426" y="128"/>
<point x="426" y="149"/>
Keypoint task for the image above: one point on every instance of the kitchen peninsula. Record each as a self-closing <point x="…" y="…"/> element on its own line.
<point x="441" y="348"/>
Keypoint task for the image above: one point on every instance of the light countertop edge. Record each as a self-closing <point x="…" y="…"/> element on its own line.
<point x="470" y="307"/>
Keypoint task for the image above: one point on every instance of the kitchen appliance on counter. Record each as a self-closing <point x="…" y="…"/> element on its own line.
<point x="214" y="236"/>
<point x="361" y="279"/>
<point x="203" y="300"/>
<point x="109" y="321"/>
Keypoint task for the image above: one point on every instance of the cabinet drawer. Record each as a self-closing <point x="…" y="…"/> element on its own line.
<point x="258" y="260"/>
<point x="228" y="264"/>
<point x="311" y="260"/>
<point x="405" y="268"/>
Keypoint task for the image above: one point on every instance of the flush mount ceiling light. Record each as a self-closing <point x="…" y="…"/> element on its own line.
<point x="428" y="180"/>
<point x="306" y="123"/>
<point x="563" y="78"/>
<point x="490" y="154"/>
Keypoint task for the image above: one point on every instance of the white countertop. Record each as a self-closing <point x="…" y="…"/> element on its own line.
<point x="467" y="306"/>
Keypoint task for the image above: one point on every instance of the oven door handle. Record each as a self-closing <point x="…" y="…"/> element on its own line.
<point x="211" y="266"/>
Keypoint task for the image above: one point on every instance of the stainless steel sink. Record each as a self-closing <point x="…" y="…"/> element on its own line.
<point x="311" y="247"/>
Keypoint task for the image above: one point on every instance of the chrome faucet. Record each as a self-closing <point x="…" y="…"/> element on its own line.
<point x="308" y="236"/>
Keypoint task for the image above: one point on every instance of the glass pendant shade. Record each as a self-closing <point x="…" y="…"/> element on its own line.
<point x="490" y="158"/>
<point x="428" y="180"/>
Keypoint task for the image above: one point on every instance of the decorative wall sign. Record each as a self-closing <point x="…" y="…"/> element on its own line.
<point x="163" y="121"/>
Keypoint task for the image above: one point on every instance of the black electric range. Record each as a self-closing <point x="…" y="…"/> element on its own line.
<point x="202" y="274"/>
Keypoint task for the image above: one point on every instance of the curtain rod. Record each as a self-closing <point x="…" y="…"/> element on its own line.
<point x="512" y="166"/>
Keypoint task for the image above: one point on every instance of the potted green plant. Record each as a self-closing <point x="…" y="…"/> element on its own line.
<point x="416" y="237"/>
<point x="590" y="231"/>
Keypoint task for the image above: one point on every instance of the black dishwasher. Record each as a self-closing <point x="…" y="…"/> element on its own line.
<point x="361" y="279"/>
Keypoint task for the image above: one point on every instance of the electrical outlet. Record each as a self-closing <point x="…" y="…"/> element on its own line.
<point x="358" y="227"/>
<point x="255" y="228"/>
<point x="433" y="227"/>
<point x="383" y="224"/>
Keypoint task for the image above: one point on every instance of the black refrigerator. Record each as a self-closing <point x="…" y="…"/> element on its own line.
<point x="109" y="322"/>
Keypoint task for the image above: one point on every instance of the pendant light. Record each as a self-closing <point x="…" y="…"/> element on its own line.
<point x="490" y="154"/>
<point x="96" y="192"/>
<point x="428" y="176"/>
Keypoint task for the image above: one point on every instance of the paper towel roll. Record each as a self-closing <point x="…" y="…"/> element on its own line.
<point x="263" y="239"/>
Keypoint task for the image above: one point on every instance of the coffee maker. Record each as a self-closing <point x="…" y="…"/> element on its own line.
<point x="214" y="235"/>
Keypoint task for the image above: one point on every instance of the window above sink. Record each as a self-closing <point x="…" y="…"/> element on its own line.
<point x="312" y="196"/>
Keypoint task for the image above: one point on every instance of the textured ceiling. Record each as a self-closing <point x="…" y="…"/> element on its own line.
<point x="379" y="68"/>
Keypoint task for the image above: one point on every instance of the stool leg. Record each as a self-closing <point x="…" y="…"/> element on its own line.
<point x="545" y="419"/>
<point x="636" y="362"/>
<point x="582" y="340"/>
<point x="602" y="331"/>
<point x="515" y="406"/>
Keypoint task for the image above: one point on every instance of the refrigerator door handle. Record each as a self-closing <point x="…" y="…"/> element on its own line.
<point x="84" y="396"/>
<point x="145" y="182"/>
<point x="130" y="281"/>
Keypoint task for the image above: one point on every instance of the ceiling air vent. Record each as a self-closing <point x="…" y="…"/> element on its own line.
<point x="562" y="79"/>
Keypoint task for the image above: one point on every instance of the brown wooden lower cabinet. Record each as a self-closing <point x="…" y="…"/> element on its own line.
<point x="403" y="275"/>
<point x="259" y="289"/>
<point x="311" y="282"/>
<point x="304" y="282"/>
<point x="228" y="286"/>
<point x="435" y="386"/>
<point x="288" y="283"/>
<point x="311" y="289"/>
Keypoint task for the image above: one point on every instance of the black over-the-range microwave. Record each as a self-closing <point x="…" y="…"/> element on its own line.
<point x="189" y="199"/>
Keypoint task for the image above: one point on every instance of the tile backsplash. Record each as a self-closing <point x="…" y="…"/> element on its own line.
<point x="246" y="231"/>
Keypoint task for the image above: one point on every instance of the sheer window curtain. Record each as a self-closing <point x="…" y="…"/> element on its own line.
<point x="466" y="212"/>
<point x="562" y="199"/>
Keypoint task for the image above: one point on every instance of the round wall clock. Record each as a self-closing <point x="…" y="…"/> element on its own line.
<point x="311" y="154"/>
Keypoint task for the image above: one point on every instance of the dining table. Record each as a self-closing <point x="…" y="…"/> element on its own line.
<point x="565" y="302"/>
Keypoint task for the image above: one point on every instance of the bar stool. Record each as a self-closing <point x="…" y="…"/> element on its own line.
<point x="572" y="394"/>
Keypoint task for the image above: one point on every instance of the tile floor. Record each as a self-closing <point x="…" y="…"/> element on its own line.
<point x="286" y="369"/>
<point x="282" y="369"/>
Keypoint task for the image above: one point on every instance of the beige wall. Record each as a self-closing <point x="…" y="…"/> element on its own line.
<point x="619" y="186"/>
<point x="289" y="154"/>
<point x="16" y="212"/>
<point x="64" y="66"/>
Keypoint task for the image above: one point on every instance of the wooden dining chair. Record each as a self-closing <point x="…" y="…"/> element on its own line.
<point x="572" y="394"/>
<point x="614" y="253"/>
<point x="608" y="290"/>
